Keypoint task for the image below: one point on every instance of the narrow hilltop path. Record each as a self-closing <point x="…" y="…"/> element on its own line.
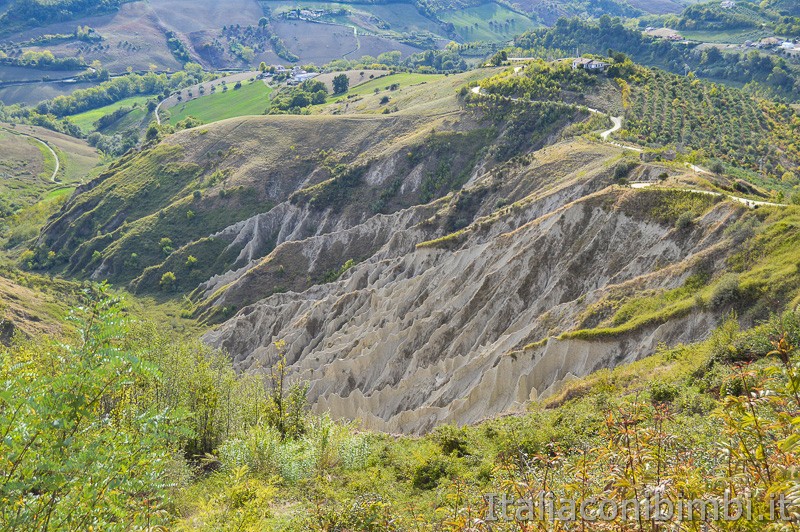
<point x="748" y="202"/>
<point x="358" y="44"/>
<point x="617" y="121"/>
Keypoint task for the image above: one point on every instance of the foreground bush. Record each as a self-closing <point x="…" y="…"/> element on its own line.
<point x="76" y="451"/>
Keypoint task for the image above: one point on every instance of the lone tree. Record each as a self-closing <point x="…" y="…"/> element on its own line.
<point x="499" y="58"/>
<point x="340" y="84"/>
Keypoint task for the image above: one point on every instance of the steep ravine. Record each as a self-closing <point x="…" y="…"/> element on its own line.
<point x="291" y="247"/>
<point x="438" y="334"/>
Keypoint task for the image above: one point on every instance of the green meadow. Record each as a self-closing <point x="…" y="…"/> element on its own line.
<point x="251" y="99"/>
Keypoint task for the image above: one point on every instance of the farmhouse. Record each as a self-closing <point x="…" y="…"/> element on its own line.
<point x="663" y="33"/>
<point x="768" y="42"/>
<point x="589" y="64"/>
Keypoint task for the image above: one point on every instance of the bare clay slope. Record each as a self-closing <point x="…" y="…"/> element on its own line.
<point x="457" y="329"/>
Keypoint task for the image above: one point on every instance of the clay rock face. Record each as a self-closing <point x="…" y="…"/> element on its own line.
<point x="426" y="335"/>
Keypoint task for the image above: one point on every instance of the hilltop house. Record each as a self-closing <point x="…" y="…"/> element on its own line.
<point x="769" y="42"/>
<point x="589" y="64"/>
<point x="663" y="33"/>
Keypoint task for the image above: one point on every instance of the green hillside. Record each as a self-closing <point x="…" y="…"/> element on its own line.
<point x="487" y="22"/>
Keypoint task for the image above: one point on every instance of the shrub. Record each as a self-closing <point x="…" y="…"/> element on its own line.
<point x="684" y="221"/>
<point x="452" y="440"/>
<point x="662" y="392"/>
<point x="726" y="292"/>
<point x="77" y="447"/>
<point x="427" y="475"/>
<point x="166" y="245"/>
<point x="622" y="170"/>
<point x="168" y="281"/>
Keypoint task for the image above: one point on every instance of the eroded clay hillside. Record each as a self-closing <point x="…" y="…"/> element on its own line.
<point x="467" y="326"/>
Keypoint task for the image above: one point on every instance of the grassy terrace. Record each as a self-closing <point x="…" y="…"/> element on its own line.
<point x="403" y="79"/>
<point x="86" y="120"/>
<point x="251" y="99"/>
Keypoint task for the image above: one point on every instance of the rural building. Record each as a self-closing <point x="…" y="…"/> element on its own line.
<point x="728" y="4"/>
<point x="769" y="42"/>
<point x="663" y="33"/>
<point x="589" y="64"/>
<point x="304" y="76"/>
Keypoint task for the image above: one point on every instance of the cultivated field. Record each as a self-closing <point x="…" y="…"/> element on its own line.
<point x="33" y="93"/>
<point x="400" y="18"/>
<point x="10" y="73"/>
<point x="375" y="45"/>
<point x="487" y="22"/>
<point x="726" y="37"/>
<point x="77" y="159"/>
<point x="186" y="16"/>
<point x="21" y="161"/>
<point x="658" y="7"/>
<point x="251" y="99"/>
<point x="403" y="79"/>
<point x="418" y="94"/>
<point x="321" y="43"/>
<point x="404" y="18"/>
<point x="135" y="35"/>
<point x="86" y="120"/>
<point x="196" y="91"/>
<point x="317" y="43"/>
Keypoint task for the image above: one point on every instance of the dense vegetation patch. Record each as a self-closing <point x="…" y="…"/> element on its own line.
<point x="760" y="73"/>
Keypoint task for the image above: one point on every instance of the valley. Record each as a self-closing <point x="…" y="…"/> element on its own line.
<point x="329" y="266"/>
